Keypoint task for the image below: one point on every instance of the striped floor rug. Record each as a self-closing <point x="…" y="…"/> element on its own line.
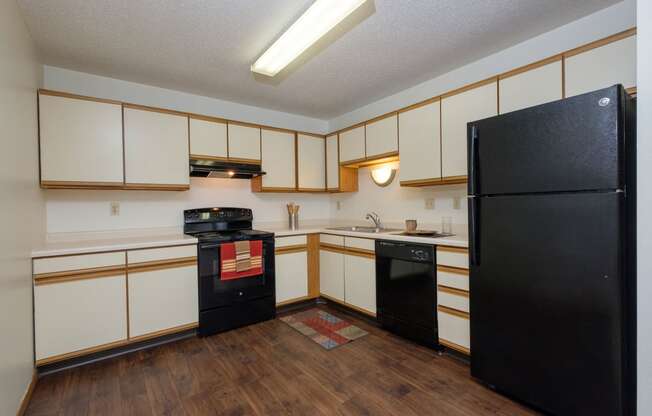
<point x="323" y="328"/>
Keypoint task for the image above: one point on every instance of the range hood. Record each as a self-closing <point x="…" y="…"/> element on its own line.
<point x="223" y="169"/>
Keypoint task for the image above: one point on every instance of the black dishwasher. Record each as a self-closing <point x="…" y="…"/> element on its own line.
<point x="406" y="290"/>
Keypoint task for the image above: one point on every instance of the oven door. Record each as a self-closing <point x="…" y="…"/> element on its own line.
<point x="215" y="292"/>
<point x="406" y="284"/>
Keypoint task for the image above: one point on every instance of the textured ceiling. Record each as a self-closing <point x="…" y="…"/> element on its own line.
<point x="207" y="46"/>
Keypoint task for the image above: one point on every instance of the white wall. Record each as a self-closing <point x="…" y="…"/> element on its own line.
<point x="395" y="204"/>
<point x="614" y="19"/>
<point x="102" y="87"/>
<point x="22" y="219"/>
<point x="644" y="225"/>
<point x="81" y="210"/>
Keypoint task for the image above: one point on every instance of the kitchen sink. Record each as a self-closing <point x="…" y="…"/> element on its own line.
<point x="364" y="229"/>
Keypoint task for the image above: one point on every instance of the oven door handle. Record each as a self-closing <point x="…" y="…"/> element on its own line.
<point x="203" y="246"/>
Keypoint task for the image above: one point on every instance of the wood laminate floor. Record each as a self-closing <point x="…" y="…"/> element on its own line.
<point x="271" y="369"/>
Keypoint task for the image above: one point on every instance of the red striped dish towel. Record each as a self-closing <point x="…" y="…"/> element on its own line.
<point x="241" y="259"/>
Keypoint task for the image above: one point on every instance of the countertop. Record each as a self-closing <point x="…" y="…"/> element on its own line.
<point x="459" y="239"/>
<point x="60" y="244"/>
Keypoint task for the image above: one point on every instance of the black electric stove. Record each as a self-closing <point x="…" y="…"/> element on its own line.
<point x="229" y="304"/>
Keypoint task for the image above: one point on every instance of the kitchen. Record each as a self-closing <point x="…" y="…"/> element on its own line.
<point x="111" y="248"/>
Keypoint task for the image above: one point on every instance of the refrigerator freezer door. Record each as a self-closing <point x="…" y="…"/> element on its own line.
<point x="568" y="145"/>
<point x="546" y="313"/>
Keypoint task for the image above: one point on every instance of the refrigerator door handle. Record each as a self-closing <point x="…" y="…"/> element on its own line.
<point x="474" y="232"/>
<point x="473" y="151"/>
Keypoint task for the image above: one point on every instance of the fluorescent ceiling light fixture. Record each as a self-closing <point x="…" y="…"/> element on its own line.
<point x="318" y="20"/>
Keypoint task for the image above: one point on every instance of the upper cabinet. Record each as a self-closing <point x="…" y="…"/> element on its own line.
<point x="602" y="64"/>
<point x="530" y="86"/>
<point x="311" y="162"/>
<point x="419" y="129"/>
<point x="468" y="104"/>
<point x="244" y="142"/>
<point x="332" y="163"/>
<point x="156" y="149"/>
<point x="382" y="137"/>
<point x="352" y="145"/>
<point x="80" y="141"/>
<point x="278" y="160"/>
<point x="208" y="138"/>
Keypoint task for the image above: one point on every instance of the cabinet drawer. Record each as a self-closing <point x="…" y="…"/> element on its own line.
<point x="158" y="254"/>
<point x="73" y="317"/>
<point x="336" y="240"/>
<point x="454" y="331"/>
<point x="458" y="279"/>
<point x="453" y="298"/>
<point x="453" y="257"/>
<point x="78" y="262"/>
<point x="292" y="240"/>
<point x="360" y="243"/>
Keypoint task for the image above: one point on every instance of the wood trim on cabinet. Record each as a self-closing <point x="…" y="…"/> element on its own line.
<point x="41" y="280"/>
<point x="454" y="270"/>
<point x="44" y="91"/>
<point x="344" y="130"/>
<point x="453" y="291"/>
<point x="359" y="252"/>
<point x="419" y="104"/>
<point x="77" y="272"/>
<point x="296" y="300"/>
<point x="601" y="42"/>
<point x="454" y="180"/>
<point x="24" y="403"/>
<point x="207" y="118"/>
<point x="290" y="249"/>
<point x="313" y="265"/>
<point x="382" y="117"/>
<point x="163" y="332"/>
<point x="149" y="266"/>
<point x="372" y="160"/>
<point x="529" y="67"/>
<point x="311" y="190"/>
<point x="80" y="185"/>
<point x="278" y="129"/>
<point x="154" y="109"/>
<point x="79" y="353"/>
<point x="454" y="346"/>
<point x="471" y="86"/>
<point x="454" y="312"/>
<point x="631" y="90"/>
<point x="215" y="158"/>
<point x="348" y="305"/>
<point x="453" y="249"/>
<point x="421" y="182"/>
<point x="352" y="162"/>
<point x="332" y="248"/>
<point x="155" y="187"/>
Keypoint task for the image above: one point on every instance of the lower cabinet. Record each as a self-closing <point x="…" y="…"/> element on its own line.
<point x="291" y="276"/>
<point x="77" y="315"/>
<point x="162" y="299"/>
<point x="360" y="282"/>
<point x="331" y="274"/>
<point x="453" y="316"/>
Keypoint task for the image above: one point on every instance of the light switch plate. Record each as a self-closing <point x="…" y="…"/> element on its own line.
<point x="430" y="203"/>
<point x="115" y="208"/>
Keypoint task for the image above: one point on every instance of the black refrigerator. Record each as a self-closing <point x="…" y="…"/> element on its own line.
<point x="552" y="253"/>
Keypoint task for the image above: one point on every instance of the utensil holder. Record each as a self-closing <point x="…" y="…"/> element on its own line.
<point x="293" y="221"/>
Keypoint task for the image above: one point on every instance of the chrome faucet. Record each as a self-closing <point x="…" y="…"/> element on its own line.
<point x="372" y="216"/>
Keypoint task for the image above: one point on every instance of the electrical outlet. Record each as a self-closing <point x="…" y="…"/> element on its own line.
<point x="115" y="208"/>
<point x="457" y="203"/>
<point x="430" y="203"/>
<point x="339" y="205"/>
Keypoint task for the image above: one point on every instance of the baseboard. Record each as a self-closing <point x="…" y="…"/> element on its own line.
<point x="24" y="403"/>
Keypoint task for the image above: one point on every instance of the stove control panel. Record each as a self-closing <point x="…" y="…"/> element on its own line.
<point x="217" y="215"/>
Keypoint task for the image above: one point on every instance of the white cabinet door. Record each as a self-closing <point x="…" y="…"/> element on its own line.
<point x="352" y="144"/>
<point x="278" y="159"/>
<point x="533" y="87"/>
<point x="614" y="63"/>
<point x="382" y="137"/>
<point x="156" y="148"/>
<point x="456" y="111"/>
<point x="360" y="282"/>
<point x="291" y="276"/>
<point x="162" y="299"/>
<point x="311" y="162"/>
<point x="80" y="314"/>
<point x="244" y="142"/>
<point x="80" y="140"/>
<point x="331" y="274"/>
<point x="420" y="143"/>
<point x="332" y="163"/>
<point x="208" y="138"/>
